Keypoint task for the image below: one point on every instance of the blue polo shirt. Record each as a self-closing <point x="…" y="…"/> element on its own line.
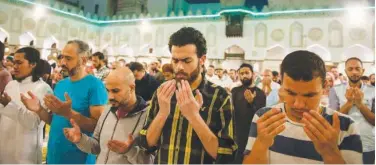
<point x="89" y="91"/>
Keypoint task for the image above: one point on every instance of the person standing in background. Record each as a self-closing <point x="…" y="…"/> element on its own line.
<point x="5" y="76"/>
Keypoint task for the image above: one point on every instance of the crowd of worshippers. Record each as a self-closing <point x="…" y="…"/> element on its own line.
<point x="183" y="112"/>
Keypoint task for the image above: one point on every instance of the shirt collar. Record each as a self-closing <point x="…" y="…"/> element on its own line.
<point x="27" y="80"/>
<point x="140" y="106"/>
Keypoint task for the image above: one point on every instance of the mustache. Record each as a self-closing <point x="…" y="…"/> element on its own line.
<point x="113" y="100"/>
<point x="181" y="72"/>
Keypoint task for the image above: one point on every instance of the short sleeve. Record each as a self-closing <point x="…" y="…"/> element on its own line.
<point x="98" y="94"/>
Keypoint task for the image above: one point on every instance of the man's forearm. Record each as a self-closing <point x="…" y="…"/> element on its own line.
<point x="207" y="137"/>
<point x="346" y="108"/>
<point x="366" y="112"/>
<point x="155" y="129"/>
<point x="85" y="123"/>
<point x="258" y="154"/>
<point x="44" y="115"/>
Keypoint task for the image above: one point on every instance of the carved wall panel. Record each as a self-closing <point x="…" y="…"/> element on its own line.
<point x="296" y="35"/>
<point x="261" y="35"/>
<point x="335" y="34"/>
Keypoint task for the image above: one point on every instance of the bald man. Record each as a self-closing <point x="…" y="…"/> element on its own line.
<point x="118" y="127"/>
<point x="267" y="84"/>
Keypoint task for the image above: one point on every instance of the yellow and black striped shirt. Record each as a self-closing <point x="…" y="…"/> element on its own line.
<point x="179" y="143"/>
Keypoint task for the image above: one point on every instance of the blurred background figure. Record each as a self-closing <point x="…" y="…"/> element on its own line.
<point x="168" y="72"/>
<point x="372" y="79"/>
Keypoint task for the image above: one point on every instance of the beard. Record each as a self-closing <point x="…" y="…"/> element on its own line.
<point x="373" y="83"/>
<point x="246" y="82"/>
<point x="354" y="79"/>
<point x="72" y="71"/>
<point x="189" y="77"/>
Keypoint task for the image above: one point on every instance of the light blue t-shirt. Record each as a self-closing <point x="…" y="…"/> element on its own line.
<point x="89" y="91"/>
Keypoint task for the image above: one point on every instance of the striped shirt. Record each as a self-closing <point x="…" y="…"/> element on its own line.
<point x="179" y="143"/>
<point x="293" y="146"/>
<point x="337" y="98"/>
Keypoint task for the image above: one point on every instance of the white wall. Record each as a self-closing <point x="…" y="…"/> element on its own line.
<point x="138" y="39"/>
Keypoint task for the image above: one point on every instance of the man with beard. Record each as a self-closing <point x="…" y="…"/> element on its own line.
<point x="99" y="64"/>
<point x="80" y="97"/>
<point x="21" y="137"/>
<point x="247" y="100"/>
<point x="146" y="84"/>
<point x="372" y="79"/>
<point x="190" y="119"/>
<point x="125" y="117"/>
<point x="357" y="100"/>
<point x="299" y="130"/>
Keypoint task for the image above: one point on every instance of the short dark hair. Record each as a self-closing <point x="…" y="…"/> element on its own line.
<point x="2" y="50"/>
<point x="33" y="56"/>
<point x="189" y="35"/>
<point x="232" y="70"/>
<point x="133" y="66"/>
<point x="46" y="67"/>
<point x="364" y="78"/>
<point x="100" y="55"/>
<point x="245" y="65"/>
<point x="303" y="65"/>
<point x="354" y="58"/>
<point x="167" y="68"/>
<point x="211" y="66"/>
<point x="275" y="73"/>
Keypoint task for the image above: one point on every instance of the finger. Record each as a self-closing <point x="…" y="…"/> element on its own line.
<point x="188" y="90"/>
<point x="130" y="137"/>
<point x="315" y="123"/>
<point x="199" y="97"/>
<point x="254" y="93"/>
<point x="6" y="95"/>
<point x="67" y="98"/>
<point x="178" y="97"/>
<point x="313" y="130"/>
<point x="336" y="123"/>
<point x="162" y="89"/>
<point x="310" y="134"/>
<point x="74" y="124"/>
<point x="274" y="125"/>
<point x="31" y="94"/>
<point x="266" y="116"/>
<point x="319" y="118"/>
<point x="184" y="93"/>
<point x="23" y="98"/>
<point x="171" y="89"/>
<point x="278" y="130"/>
<point x="274" y="118"/>
<point x="114" y="147"/>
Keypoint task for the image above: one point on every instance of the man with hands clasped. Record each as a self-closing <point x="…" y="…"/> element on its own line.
<point x="247" y="99"/>
<point x="299" y="131"/>
<point x="357" y="100"/>
<point x="190" y="119"/>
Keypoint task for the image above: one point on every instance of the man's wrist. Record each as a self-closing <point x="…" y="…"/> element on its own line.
<point x="69" y="114"/>
<point x="334" y="157"/>
<point x="194" y="117"/>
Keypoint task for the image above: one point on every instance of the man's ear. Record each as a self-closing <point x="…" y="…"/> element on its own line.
<point x="202" y="60"/>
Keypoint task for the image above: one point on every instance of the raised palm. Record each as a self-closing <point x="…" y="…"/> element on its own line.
<point x="73" y="134"/>
<point x="32" y="103"/>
